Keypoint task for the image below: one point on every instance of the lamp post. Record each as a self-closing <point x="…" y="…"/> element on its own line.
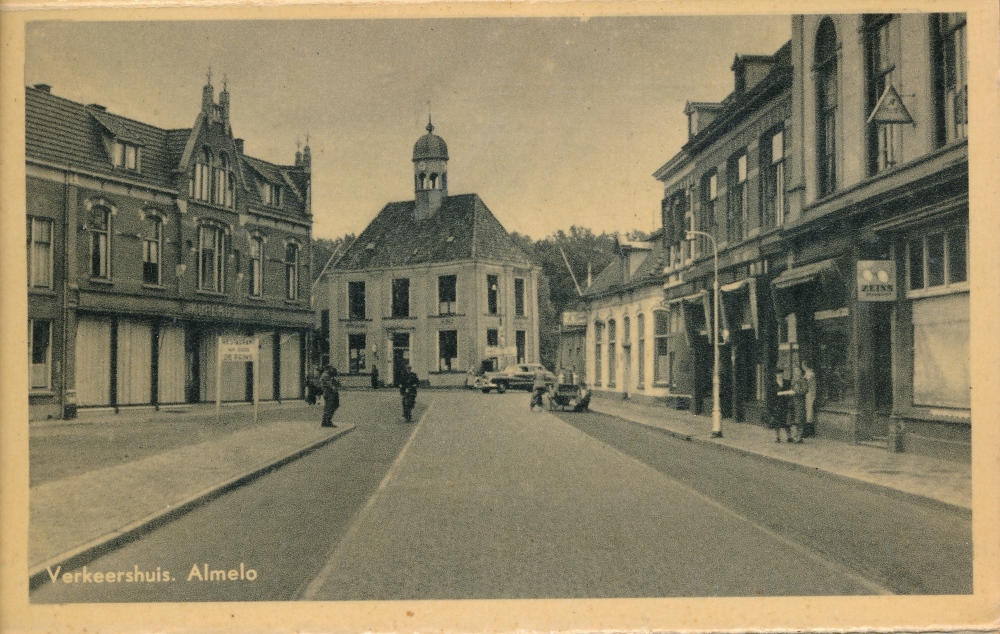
<point x="716" y="407"/>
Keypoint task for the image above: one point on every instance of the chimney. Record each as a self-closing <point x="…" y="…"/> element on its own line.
<point x="239" y="145"/>
<point x="43" y="87"/>
<point x="97" y="106"/>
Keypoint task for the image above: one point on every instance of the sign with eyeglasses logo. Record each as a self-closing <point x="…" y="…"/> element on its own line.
<point x="876" y="280"/>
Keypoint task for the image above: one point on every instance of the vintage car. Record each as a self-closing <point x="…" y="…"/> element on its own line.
<point x="513" y="377"/>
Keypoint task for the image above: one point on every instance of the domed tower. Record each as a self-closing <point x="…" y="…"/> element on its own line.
<point x="430" y="172"/>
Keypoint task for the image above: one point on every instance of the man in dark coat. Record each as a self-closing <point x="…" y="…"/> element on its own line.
<point x="408" y="390"/>
<point x="331" y="395"/>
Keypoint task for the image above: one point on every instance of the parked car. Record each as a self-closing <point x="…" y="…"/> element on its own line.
<point x="513" y="377"/>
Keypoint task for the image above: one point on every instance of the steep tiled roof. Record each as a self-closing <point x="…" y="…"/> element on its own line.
<point x="65" y="132"/>
<point x="462" y="229"/>
<point x="68" y="133"/>
<point x="610" y="279"/>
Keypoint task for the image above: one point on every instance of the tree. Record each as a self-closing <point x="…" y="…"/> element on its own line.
<point x="323" y="248"/>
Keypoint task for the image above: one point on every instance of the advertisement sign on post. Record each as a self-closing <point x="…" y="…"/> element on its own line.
<point x="876" y="280"/>
<point x="240" y="349"/>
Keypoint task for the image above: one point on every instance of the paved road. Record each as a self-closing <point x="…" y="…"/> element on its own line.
<point x="487" y="500"/>
<point x="282" y="525"/>
<point x="906" y="545"/>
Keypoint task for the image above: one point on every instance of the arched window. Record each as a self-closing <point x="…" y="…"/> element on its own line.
<point x="222" y="191"/>
<point x="256" y="266"/>
<point x="152" y="246"/>
<point x="99" y="224"/>
<point x="203" y="175"/>
<point x="598" y="337"/>
<point x="626" y="330"/>
<point x="433" y="181"/>
<point x="664" y="356"/>
<point x="826" y="105"/>
<point x="292" y="271"/>
<point x="612" y="353"/>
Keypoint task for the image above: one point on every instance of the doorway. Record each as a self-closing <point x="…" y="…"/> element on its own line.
<point x="400" y="355"/>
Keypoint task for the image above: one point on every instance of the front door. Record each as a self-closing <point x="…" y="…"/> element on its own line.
<point x="400" y="355"/>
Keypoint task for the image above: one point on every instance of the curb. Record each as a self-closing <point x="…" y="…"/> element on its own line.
<point x="874" y="486"/>
<point x="38" y="575"/>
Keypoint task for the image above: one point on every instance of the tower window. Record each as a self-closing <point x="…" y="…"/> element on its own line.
<point x="434" y="178"/>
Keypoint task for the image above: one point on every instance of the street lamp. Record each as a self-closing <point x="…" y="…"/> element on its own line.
<point x="716" y="408"/>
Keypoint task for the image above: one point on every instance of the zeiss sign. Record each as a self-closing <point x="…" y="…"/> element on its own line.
<point x="876" y="280"/>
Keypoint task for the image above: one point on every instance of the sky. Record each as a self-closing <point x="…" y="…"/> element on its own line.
<point x="554" y="122"/>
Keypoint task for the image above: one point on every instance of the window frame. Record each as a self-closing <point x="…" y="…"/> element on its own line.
<point x="292" y="271"/>
<point x="120" y="155"/>
<point x="948" y="65"/>
<point x="395" y="292"/>
<point x="737" y="199"/>
<point x="448" y="306"/>
<point x="357" y="364"/>
<point x="827" y="72"/>
<point x="640" y="328"/>
<point x="100" y="269"/>
<point x="881" y="63"/>
<point x="520" y="297"/>
<point x="356" y="300"/>
<point x="492" y="294"/>
<point x="202" y="181"/>
<point x="33" y="241"/>
<point x="218" y="259"/>
<point x="948" y="286"/>
<point x="256" y="266"/>
<point x="772" y="177"/>
<point x="447" y="364"/>
<point x="149" y="245"/>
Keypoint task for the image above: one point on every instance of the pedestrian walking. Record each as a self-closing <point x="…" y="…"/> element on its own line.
<point x="331" y="395"/>
<point x="778" y="406"/>
<point x="408" y="390"/>
<point x="538" y="389"/>
<point x="374" y="378"/>
<point x="800" y="387"/>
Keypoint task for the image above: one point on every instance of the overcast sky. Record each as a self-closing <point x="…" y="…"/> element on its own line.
<point x="553" y="122"/>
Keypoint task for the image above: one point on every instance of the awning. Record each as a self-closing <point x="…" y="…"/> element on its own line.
<point x="807" y="273"/>
<point x="731" y="310"/>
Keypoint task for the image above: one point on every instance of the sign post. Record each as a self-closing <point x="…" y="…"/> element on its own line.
<point x="239" y="349"/>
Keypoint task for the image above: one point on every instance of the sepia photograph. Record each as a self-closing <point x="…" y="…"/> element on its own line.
<point x="499" y="318"/>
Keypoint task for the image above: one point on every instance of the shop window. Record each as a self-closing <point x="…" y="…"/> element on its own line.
<point x="356" y="353"/>
<point x="826" y="99"/>
<point x="447" y="350"/>
<point x="447" y="294"/>
<point x="291" y="271"/>
<point x="401" y="297"/>
<point x="100" y="242"/>
<point x="884" y="139"/>
<point x="737" y="207"/>
<point x="941" y="367"/>
<point x="356" y="300"/>
<point x="256" y="272"/>
<point x="772" y="169"/>
<point x="937" y="261"/>
<point x="492" y="294"/>
<point x="953" y="99"/>
<point x="519" y="297"/>
<point x="40" y="253"/>
<point x="125" y="155"/>
<point x="834" y="372"/>
<point x="520" y="342"/>
<point x="152" y="247"/>
<point x="40" y="353"/>
<point x="212" y="260"/>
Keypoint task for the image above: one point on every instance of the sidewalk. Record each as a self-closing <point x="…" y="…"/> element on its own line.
<point x="74" y="518"/>
<point x="942" y="480"/>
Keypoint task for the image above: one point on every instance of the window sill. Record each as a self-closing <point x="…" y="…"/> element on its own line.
<point x="101" y="280"/>
<point x="41" y="392"/>
<point x="212" y="205"/>
<point x="210" y="293"/>
<point x="358" y="320"/>
<point x="400" y="317"/>
<point x="937" y="291"/>
<point x="154" y="287"/>
<point x="641" y="386"/>
<point x="256" y="298"/>
<point x="43" y="291"/>
<point x="292" y="302"/>
<point x="446" y="315"/>
<point x="448" y="372"/>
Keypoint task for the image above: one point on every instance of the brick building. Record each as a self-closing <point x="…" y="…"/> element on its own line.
<point x="144" y="244"/>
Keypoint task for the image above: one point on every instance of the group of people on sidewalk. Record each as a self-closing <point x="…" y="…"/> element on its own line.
<point x="329" y="387"/>
<point x="798" y="413"/>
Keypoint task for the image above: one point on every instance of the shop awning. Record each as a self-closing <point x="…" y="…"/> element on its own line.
<point x="807" y="273"/>
<point x="731" y="308"/>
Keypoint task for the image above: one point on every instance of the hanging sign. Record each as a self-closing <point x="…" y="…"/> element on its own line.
<point x="876" y="280"/>
<point x="890" y="108"/>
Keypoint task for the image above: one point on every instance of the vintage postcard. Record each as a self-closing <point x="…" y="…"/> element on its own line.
<point x="493" y="317"/>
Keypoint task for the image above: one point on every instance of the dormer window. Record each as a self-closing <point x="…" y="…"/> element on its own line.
<point x="125" y="155"/>
<point x="222" y="183"/>
<point x="271" y="194"/>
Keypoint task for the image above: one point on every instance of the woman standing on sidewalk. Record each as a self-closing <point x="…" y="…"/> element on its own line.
<point x="331" y="395"/>
<point x="778" y="407"/>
